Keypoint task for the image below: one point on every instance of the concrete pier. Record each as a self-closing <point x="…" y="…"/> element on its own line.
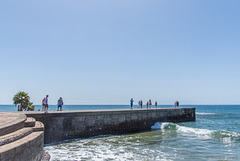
<point x="63" y="125"/>
<point x="22" y="134"/>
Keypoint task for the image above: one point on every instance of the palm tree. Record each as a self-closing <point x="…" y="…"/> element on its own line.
<point x="30" y="106"/>
<point x="23" y="101"/>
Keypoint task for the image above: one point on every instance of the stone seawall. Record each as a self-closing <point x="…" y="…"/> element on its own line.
<point x="63" y="125"/>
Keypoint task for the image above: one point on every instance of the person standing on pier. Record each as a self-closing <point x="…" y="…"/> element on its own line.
<point x="46" y="103"/>
<point x="131" y="102"/>
<point x="147" y="104"/>
<point x="156" y="104"/>
<point x="150" y="103"/>
<point x="60" y="104"/>
<point x="177" y="104"/>
<point x="43" y="104"/>
<point x="141" y="104"/>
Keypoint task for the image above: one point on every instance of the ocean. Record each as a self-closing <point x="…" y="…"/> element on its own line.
<point x="214" y="136"/>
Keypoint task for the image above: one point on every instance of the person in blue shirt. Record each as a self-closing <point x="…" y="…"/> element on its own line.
<point x="131" y="102"/>
<point x="60" y="103"/>
<point x="46" y="103"/>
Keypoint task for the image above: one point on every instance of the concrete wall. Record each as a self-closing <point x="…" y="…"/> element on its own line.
<point x="29" y="148"/>
<point x="21" y="138"/>
<point x="65" y="125"/>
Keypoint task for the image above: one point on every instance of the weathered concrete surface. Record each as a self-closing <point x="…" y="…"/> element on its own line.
<point x="21" y="139"/>
<point x="10" y="122"/>
<point x="29" y="148"/>
<point x="63" y="125"/>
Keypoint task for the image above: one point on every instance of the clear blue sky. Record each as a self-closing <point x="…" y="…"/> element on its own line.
<point x="105" y="51"/>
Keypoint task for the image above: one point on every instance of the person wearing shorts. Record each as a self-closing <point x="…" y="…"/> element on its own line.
<point x="60" y="104"/>
<point x="46" y="103"/>
<point x="131" y="103"/>
<point x="43" y="104"/>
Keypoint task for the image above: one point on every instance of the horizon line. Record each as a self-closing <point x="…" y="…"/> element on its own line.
<point x="119" y="104"/>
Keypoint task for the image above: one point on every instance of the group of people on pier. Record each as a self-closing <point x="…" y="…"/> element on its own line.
<point x="45" y="104"/>
<point x="149" y="104"/>
<point x="140" y="103"/>
<point x="176" y="104"/>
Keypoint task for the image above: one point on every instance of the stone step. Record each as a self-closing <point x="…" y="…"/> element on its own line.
<point x="30" y="122"/>
<point x="16" y="135"/>
<point x="38" y="126"/>
<point x="10" y="122"/>
<point x="30" y="146"/>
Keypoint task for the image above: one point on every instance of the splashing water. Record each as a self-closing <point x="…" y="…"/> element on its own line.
<point x="214" y="136"/>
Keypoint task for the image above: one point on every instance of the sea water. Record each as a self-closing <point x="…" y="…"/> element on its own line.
<point x="215" y="135"/>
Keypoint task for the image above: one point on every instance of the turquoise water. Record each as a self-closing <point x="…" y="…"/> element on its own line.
<point x="215" y="135"/>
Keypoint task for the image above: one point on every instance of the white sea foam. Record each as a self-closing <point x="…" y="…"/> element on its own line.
<point x="107" y="148"/>
<point x="224" y="133"/>
<point x="196" y="131"/>
<point x="141" y="146"/>
<point x="201" y="113"/>
<point x="186" y="130"/>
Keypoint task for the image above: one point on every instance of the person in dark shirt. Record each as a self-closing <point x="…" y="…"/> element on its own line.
<point x="131" y="102"/>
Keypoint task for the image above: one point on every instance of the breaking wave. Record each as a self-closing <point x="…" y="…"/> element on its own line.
<point x="196" y="131"/>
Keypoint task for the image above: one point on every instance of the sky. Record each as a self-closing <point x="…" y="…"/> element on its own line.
<point x="106" y="52"/>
